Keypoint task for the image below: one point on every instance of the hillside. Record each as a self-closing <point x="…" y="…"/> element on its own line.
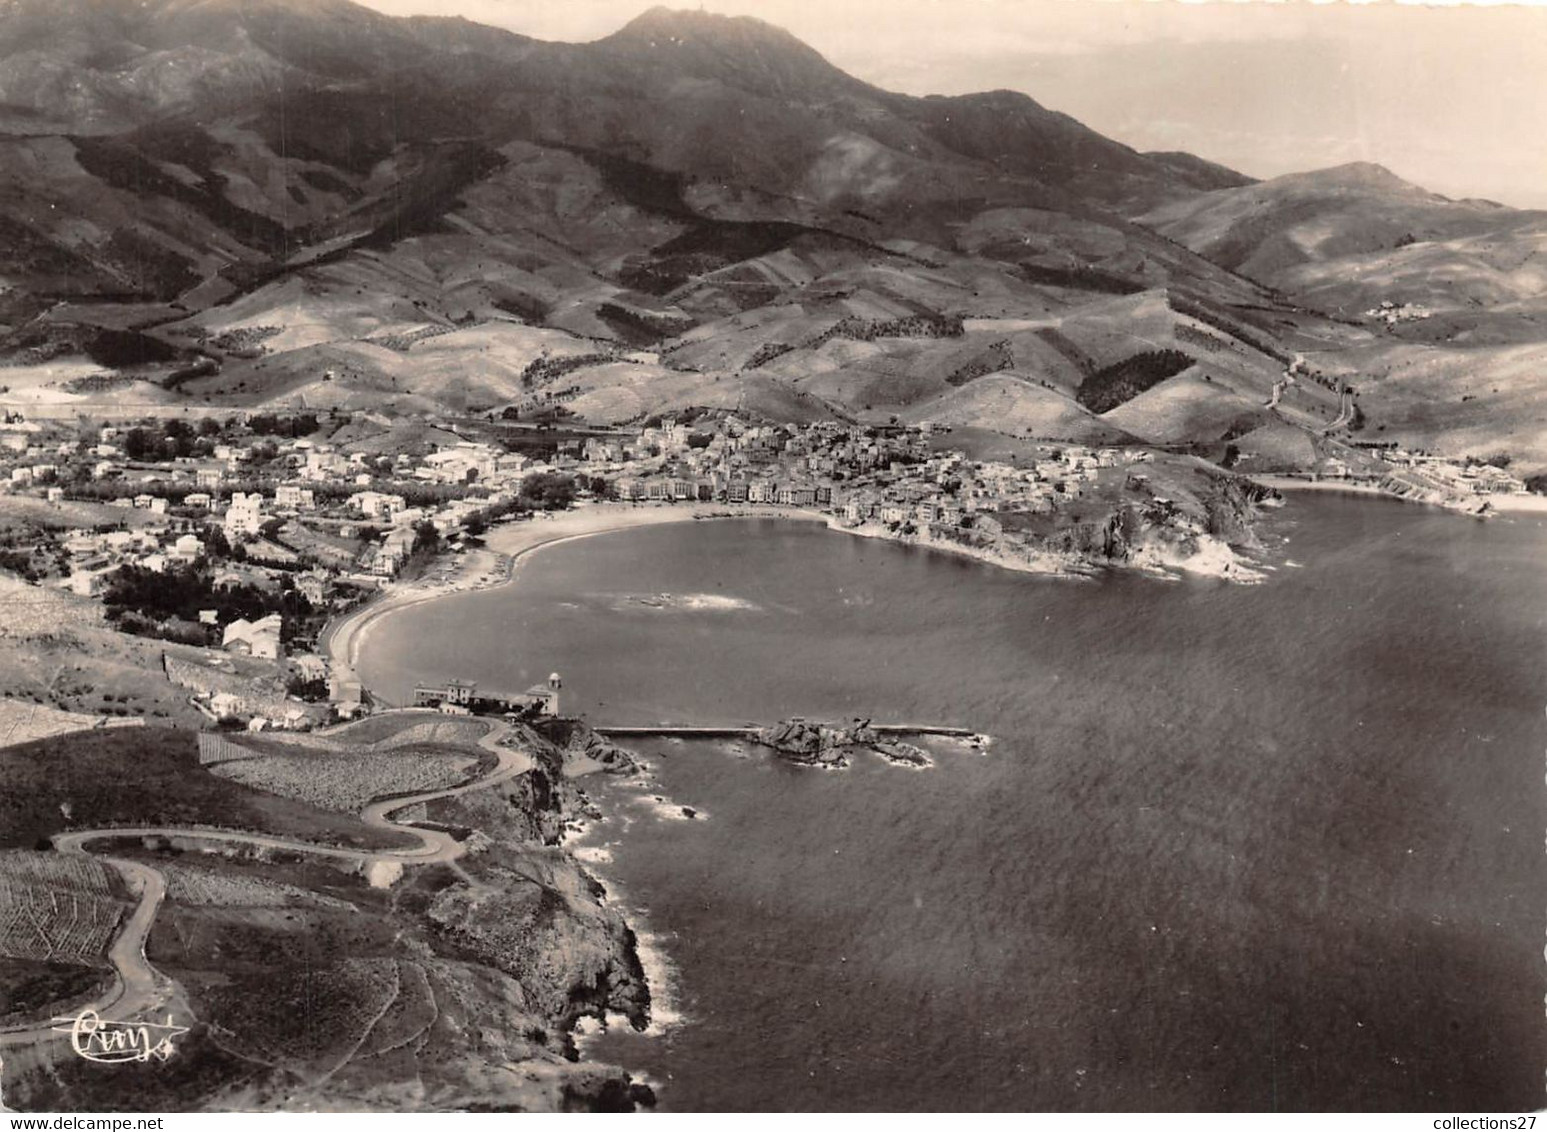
<point x="268" y="202"/>
<point x="1452" y="292"/>
<point x="1348" y="238"/>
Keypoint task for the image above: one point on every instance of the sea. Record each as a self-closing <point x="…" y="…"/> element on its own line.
<point x="1229" y="847"/>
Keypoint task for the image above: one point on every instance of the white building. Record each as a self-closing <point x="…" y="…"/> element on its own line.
<point x="377" y="504"/>
<point x="244" y="518"/>
<point x="187" y="548"/>
<point x="461" y="464"/>
<point x="88" y="583"/>
<point x="255" y="638"/>
<point x="294" y="496"/>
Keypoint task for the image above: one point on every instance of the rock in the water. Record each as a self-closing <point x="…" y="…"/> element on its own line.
<point x="905" y="754"/>
<point x="817" y="744"/>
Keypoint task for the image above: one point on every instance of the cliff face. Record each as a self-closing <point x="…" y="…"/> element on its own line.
<point x="1188" y="518"/>
<point x="544" y="923"/>
<point x="530" y="911"/>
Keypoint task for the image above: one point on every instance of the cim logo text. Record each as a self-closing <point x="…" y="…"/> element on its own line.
<point x="98" y="1039"/>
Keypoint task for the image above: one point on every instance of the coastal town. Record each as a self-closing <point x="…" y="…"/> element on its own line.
<point x="243" y="538"/>
<point x="751" y="558"/>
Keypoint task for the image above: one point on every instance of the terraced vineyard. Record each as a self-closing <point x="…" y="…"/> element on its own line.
<point x="188" y="884"/>
<point x="58" y="909"/>
<point x="348" y="782"/>
<point x="55" y="869"/>
<point x="395" y="730"/>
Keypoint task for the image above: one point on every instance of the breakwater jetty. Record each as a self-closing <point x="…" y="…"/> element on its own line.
<point x="815" y="743"/>
<point x="752" y="731"/>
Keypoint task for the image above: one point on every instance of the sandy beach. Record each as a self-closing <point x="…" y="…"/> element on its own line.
<point x="504" y="548"/>
<point x="1294" y="483"/>
<point x="1501" y="503"/>
<point x="1519" y="504"/>
<point x="507" y="545"/>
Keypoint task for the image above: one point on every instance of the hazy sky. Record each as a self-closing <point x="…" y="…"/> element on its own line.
<point x="1454" y="98"/>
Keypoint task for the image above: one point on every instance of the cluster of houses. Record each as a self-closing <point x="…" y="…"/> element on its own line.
<point x="892" y="476"/>
<point x="93" y="556"/>
<point x="949" y="491"/>
<point x="1464" y="485"/>
<point x="1441" y="479"/>
<point x="309" y="514"/>
<point x="461" y="697"/>
<point x="307" y="482"/>
<point x="1461" y="476"/>
<point x="306" y="514"/>
<point x="323" y="519"/>
<point x="1392" y="313"/>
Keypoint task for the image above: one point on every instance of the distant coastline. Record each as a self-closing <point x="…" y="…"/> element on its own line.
<point x="1295" y="483"/>
<point x="1502" y="503"/>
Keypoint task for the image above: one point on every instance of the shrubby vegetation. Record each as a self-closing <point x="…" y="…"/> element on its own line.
<point x="641" y="328"/>
<point x="33" y="554"/>
<point x="766" y="353"/>
<point x="1191" y="309"/>
<point x="546" y="368"/>
<point x="1122" y="381"/>
<point x="290" y="427"/>
<point x="547" y="491"/>
<point x="166" y="604"/>
<point x="1080" y="278"/>
<point x="911" y="326"/>
<point x="996" y="359"/>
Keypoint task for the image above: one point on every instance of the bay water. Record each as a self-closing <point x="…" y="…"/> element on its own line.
<point x="1274" y="846"/>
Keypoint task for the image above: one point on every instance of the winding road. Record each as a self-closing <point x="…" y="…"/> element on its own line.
<point x="138" y="988"/>
<point x="1345" y="413"/>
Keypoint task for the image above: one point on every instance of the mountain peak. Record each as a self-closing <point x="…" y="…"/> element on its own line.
<point x="690" y="23"/>
<point x="1366" y="175"/>
<point x="739" y="51"/>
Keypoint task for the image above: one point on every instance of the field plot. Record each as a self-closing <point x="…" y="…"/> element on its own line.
<point x="33" y="987"/>
<point x="310" y="1022"/>
<point x="57" y="909"/>
<point x="396" y="730"/>
<point x="198" y="887"/>
<point x="349" y="782"/>
<point x="149" y="776"/>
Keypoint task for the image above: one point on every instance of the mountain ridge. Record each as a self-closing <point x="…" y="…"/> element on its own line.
<point x="705" y="187"/>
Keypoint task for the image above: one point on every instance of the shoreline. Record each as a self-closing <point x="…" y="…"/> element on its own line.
<point x="342" y="640"/>
<point x="497" y="564"/>
<point x="1501" y="504"/>
<point x="1294" y="483"/>
<point x="509" y="544"/>
<point x="1528" y="504"/>
<point x="1048" y="565"/>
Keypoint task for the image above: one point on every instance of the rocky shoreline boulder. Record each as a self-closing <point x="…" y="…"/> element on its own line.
<point x="817" y="744"/>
